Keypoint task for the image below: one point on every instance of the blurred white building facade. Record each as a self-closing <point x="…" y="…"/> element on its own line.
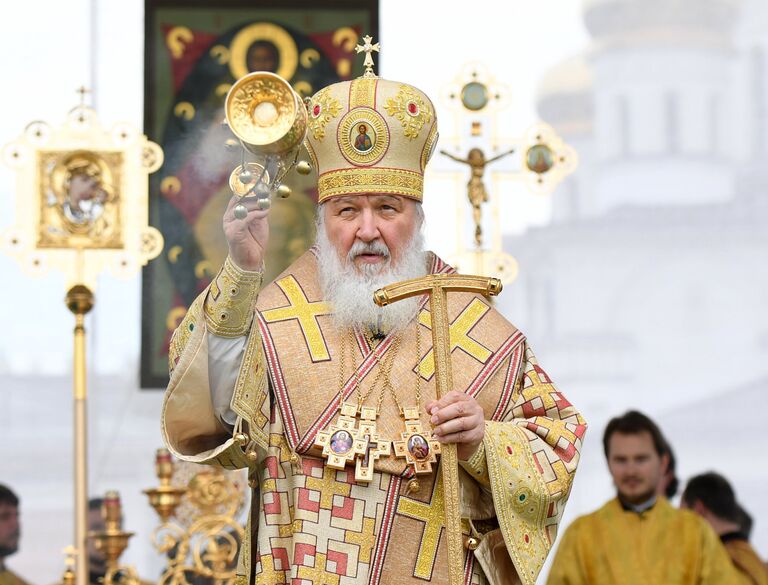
<point x="649" y="288"/>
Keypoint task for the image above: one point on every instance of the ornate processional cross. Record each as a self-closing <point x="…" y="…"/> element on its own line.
<point x="368" y="48"/>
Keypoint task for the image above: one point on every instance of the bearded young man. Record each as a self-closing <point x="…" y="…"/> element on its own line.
<point x="277" y="380"/>
<point x="638" y="537"/>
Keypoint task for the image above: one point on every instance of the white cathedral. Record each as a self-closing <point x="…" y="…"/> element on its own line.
<point x="648" y="289"/>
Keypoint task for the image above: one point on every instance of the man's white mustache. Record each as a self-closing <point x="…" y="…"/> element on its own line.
<point x="374" y="247"/>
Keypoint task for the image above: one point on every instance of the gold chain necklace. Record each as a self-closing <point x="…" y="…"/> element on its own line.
<point x="417" y="448"/>
<point x="375" y="447"/>
<point x="344" y="441"/>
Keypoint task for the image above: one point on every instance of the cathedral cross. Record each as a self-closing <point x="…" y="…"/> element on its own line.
<point x="368" y="48"/>
<point x="82" y="90"/>
<point x="306" y="313"/>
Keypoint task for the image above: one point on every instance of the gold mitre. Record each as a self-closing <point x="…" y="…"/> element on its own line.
<point x="370" y="135"/>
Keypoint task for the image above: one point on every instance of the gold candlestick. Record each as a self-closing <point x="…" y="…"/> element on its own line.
<point x="165" y="498"/>
<point x="113" y="540"/>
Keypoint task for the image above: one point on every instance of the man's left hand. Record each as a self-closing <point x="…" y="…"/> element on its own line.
<point x="458" y="418"/>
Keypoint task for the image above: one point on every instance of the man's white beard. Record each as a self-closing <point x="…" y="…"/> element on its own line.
<point x="350" y="288"/>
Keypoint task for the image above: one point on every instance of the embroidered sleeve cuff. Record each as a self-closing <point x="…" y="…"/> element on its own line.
<point x="230" y="300"/>
<point x="476" y="466"/>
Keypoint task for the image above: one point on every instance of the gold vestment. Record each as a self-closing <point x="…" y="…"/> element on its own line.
<point x="316" y="523"/>
<point x="661" y="546"/>
<point x="8" y="577"/>
<point x="746" y="560"/>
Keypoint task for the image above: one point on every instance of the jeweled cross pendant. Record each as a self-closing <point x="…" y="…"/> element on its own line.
<point x="416" y="447"/>
<point x="341" y="442"/>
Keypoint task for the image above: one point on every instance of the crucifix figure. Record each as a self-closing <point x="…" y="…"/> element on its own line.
<point x="476" y="188"/>
<point x="368" y="48"/>
<point x="374" y="447"/>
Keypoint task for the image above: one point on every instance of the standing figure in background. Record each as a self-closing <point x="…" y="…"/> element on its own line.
<point x="711" y="496"/>
<point x="638" y="537"/>
<point x="669" y="483"/>
<point x="9" y="534"/>
<point x="476" y="188"/>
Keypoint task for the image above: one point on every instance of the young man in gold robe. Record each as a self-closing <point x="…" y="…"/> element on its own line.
<point x="638" y="537"/>
<point x="329" y="400"/>
<point x="711" y="496"/>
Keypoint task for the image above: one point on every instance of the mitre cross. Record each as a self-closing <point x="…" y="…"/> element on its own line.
<point x="368" y="48"/>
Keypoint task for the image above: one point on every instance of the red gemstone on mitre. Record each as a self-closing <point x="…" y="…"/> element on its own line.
<point x="413" y="109"/>
<point x="527" y="538"/>
<point x="316" y="110"/>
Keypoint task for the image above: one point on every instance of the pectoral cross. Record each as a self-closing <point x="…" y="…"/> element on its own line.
<point x="341" y="442"/>
<point x="415" y="446"/>
<point x="368" y="48"/>
<point x="374" y="447"/>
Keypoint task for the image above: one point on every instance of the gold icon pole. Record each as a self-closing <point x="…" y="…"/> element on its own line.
<point x="80" y="301"/>
<point x="81" y="207"/>
<point x="437" y="287"/>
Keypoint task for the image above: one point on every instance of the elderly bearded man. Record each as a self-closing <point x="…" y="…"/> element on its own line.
<point x="271" y="380"/>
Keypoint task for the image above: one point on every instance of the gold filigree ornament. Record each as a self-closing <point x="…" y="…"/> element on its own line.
<point x="82" y="198"/>
<point x="410" y="109"/>
<point x="322" y="109"/>
<point x="200" y="532"/>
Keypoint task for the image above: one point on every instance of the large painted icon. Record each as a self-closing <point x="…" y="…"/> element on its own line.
<point x="195" y="54"/>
